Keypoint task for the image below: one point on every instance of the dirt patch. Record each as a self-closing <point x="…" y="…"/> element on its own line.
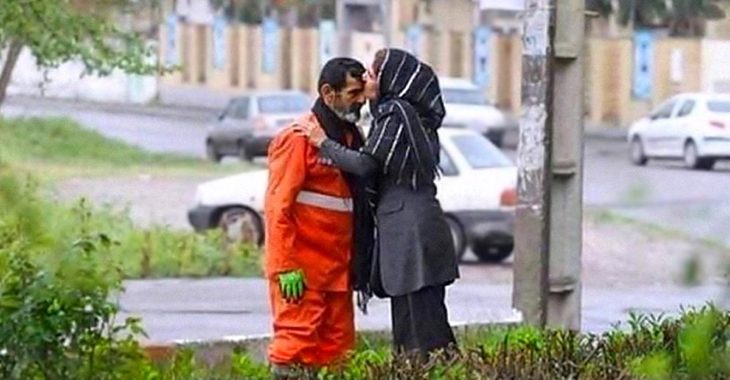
<point x="150" y="200"/>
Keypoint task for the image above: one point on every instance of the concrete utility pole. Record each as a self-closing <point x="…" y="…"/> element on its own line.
<point x="548" y="231"/>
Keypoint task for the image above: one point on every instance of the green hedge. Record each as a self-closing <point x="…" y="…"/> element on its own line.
<point x="156" y="252"/>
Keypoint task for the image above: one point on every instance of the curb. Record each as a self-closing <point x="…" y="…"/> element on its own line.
<point x="216" y="352"/>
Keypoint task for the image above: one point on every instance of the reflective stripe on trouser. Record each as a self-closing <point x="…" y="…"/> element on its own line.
<point x="325" y="201"/>
<point x="316" y="331"/>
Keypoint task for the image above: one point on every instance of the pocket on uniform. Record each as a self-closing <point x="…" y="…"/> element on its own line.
<point x="390" y="207"/>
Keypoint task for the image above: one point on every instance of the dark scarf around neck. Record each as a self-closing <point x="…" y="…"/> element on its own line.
<point x="335" y="129"/>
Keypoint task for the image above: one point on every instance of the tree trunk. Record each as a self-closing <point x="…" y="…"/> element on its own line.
<point x="12" y="58"/>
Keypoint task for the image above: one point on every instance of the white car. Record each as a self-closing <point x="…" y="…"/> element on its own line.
<point x="476" y="190"/>
<point x="467" y="107"/>
<point x="691" y="127"/>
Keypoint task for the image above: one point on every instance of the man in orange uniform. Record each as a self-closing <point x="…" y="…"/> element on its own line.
<point x="309" y="231"/>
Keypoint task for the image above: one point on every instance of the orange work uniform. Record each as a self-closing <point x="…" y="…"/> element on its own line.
<point x="309" y="226"/>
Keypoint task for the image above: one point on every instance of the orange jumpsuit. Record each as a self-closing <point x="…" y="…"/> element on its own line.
<point x="309" y="226"/>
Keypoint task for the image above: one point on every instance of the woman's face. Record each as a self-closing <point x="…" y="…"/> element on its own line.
<point x="371" y="84"/>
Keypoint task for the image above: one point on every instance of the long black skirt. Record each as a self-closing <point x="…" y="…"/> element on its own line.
<point x="420" y="321"/>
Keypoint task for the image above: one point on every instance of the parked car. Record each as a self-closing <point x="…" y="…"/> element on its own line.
<point x="248" y="123"/>
<point x="476" y="190"/>
<point x="467" y="106"/>
<point x="691" y="127"/>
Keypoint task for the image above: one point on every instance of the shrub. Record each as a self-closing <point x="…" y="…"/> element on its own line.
<point x="139" y="253"/>
<point x="57" y="322"/>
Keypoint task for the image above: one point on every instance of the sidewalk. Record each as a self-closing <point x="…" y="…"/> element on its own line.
<point x="180" y="310"/>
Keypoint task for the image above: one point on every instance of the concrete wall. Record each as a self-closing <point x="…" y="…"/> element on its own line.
<point x="68" y="81"/>
<point x="677" y="68"/>
<point x="715" y="61"/>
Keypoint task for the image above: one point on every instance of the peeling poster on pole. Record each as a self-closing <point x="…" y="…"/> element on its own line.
<point x="535" y="40"/>
<point x="270" y="42"/>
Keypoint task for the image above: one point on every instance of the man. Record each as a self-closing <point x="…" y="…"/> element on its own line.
<point x="310" y="217"/>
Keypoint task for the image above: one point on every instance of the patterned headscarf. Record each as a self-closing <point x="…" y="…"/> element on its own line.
<point x="408" y="113"/>
<point x="404" y="76"/>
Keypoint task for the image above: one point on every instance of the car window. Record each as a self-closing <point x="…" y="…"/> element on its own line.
<point x="718" y="106"/>
<point x="687" y="108"/>
<point x="479" y="152"/>
<point x="463" y="96"/>
<point x="665" y="110"/>
<point x="284" y="103"/>
<point x="446" y="164"/>
<point x="238" y="109"/>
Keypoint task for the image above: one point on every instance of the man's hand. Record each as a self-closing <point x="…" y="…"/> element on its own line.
<point x="313" y="133"/>
<point x="292" y="285"/>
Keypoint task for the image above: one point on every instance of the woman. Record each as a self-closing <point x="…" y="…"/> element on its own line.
<point x="414" y="257"/>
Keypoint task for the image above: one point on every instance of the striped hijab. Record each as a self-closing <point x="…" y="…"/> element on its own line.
<point x="407" y="115"/>
<point x="403" y="76"/>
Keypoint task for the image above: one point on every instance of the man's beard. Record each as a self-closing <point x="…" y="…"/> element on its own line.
<point x="350" y="115"/>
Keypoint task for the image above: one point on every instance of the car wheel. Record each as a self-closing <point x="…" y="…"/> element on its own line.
<point x="243" y="153"/>
<point x="211" y="152"/>
<point x="242" y="225"/>
<point x="458" y="236"/>
<point x="692" y="159"/>
<point x="492" y="253"/>
<point x="638" y="157"/>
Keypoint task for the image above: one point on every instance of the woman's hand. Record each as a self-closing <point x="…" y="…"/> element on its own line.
<point x="313" y="133"/>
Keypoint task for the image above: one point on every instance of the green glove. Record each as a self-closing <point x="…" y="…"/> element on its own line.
<point x="292" y="284"/>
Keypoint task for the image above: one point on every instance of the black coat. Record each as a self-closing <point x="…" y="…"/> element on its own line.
<point x="414" y="247"/>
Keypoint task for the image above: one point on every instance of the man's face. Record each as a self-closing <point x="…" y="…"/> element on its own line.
<point x="347" y="102"/>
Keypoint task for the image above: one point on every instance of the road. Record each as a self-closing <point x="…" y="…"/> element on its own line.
<point x="696" y="202"/>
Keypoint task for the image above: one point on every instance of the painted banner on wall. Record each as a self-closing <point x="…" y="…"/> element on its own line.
<point x="327" y="41"/>
<point x="413" y="39"/>
<point x="643" y="65"/>
<point x="219" y="42"/>
<point x="171" y="52"/>
<point x="482" y="39"/>
<point x="270" y="44"/>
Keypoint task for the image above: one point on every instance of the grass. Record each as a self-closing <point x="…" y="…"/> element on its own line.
<point x="36" y="152"/>
<point x="138" y="253"/>
<point x="57" y="148"/>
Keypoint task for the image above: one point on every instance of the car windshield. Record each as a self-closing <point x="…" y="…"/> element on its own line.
<point x="463" y="96"/>
<point x="293" y="103"/>
<point x="719" y="106"/>
<point x="479" y="152"/>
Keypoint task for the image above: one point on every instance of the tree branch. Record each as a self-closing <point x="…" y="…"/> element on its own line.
<point x="12" y="58"/>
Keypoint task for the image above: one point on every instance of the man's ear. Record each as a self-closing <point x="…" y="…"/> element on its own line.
<point x="327" y="93"/>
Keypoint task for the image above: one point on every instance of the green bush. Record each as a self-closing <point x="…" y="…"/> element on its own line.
<point x="56" y="322"/>
<point x="138" y="253"/>
<point x="695" y="345"/>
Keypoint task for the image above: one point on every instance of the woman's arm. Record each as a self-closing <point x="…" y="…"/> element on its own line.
<point x="351" y="161"/>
